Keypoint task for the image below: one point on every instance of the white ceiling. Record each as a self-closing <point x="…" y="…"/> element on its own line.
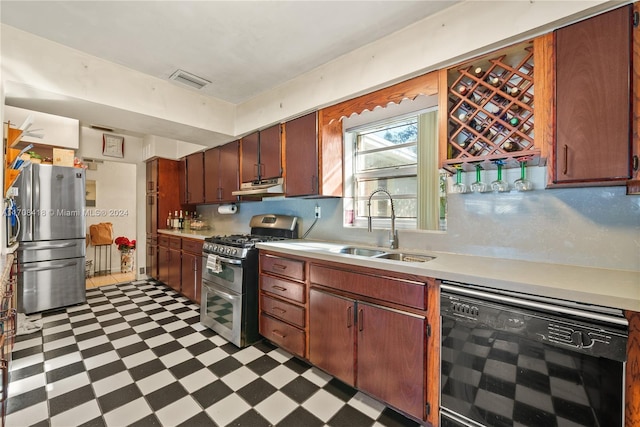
<point x="243" y="48"/>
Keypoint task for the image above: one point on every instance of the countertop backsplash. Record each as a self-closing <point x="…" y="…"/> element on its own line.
<point x="595" y="227"/>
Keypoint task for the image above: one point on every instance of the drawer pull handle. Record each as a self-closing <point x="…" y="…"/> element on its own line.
<point x="349" y="317"/>
<point x="282" y="311"/>
<point x="278" y="333"/>
<point x="360" y="320"/>
<point x="566" y="160"/>
<point x="279" y="288"/>
<point x="280" y="266"/>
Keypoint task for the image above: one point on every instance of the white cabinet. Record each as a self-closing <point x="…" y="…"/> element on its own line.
<point x="57" y="131"/>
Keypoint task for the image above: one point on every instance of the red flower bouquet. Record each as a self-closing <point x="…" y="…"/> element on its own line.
<point x="124" y="244"/>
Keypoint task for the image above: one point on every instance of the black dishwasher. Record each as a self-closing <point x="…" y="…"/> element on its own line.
<point x="509" y="359"/>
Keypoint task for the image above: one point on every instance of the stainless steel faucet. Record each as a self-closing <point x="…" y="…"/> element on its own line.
<point x="393" y="235"/>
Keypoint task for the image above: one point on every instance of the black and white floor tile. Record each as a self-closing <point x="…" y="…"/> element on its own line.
<point x="136" y="355"/>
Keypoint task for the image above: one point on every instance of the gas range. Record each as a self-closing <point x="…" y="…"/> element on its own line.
<point x="235" y="245"/>
<point x="229" y="302"/>
<point x="264" y="228"/>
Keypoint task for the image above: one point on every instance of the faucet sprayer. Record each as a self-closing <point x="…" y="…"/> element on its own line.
<point x="393" y="237"/>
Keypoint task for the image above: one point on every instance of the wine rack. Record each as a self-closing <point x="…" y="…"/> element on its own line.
<point x="490" y="111"/>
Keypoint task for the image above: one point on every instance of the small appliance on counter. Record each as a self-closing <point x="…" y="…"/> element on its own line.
<point x="50" y="201"/>
<point x="230" y="277"/>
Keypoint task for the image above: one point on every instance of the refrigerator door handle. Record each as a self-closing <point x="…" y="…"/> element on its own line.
<point x="36" y="246"/>
<point x="49" y="267"/>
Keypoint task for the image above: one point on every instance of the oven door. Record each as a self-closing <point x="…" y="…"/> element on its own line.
<point x="224" y="272"/>
<point x="221" y="310"/>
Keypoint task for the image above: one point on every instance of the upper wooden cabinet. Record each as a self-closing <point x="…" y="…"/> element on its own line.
<point x="195" y="178"/>
<point x="592" y="101"/>
<point x="162" y="197"/>
<point x="261" y="155"/>
<point x="221" y="173"/>
<point x="301" y="156"/>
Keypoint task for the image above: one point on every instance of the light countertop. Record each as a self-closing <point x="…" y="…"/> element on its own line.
<point x="596" y="286"/>
<point x="191" y="234"/>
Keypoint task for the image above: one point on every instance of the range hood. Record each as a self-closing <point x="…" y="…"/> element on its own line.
<point x="262" y="187"/>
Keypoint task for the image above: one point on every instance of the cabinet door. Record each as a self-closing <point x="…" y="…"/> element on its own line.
<point x="175" y="270"/>
<point x="212" y="175"/>
<point x="301" y="156"/>
<point x="182" y="181"/>
<point x="188" y="276"/>
<point x="270" y="152"/>
<point x="152" y="213"/>
<point x="593" y="68"/>
<point x="195" y="178"/>
<point x="249" y="157"/>
<point x="229" y="166"/>
<point x="168" y="197"/>
<point x="152" y="257"/>
<point x="332" y="334"/>
<point x="163" y="264"/>
<point x="152" y="176"/>
<point x="391" y="357"/>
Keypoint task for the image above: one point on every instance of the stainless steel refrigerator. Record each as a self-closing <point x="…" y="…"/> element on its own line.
<point x="51" y="252"/>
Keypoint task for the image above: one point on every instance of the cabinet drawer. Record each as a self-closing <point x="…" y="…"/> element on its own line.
<point x="291" y="268"/>
<point x="390" y="289"/>
<point x="194" y="246"/>
<point x="163" y="241"/>
<point x="284" y="288"/>
<point x="175" y="243"/>
<point x="282" y="310"/>
<point x="286" y="336"/>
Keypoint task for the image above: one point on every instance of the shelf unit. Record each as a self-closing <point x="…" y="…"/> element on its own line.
<point x="12" y="139"/>
<point x="491" y="111"/>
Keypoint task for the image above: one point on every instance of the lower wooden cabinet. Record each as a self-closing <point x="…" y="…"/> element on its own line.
<point x="192" y="269"/>
<point x="368" y="328"/>
<point x="283" y="302"/>
<point x="180" y="265"/>
<point x="332" y="334"/>
<point x="379" y="350"/>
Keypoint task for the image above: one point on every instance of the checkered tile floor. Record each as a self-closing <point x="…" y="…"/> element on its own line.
<point x="136" y="354"/>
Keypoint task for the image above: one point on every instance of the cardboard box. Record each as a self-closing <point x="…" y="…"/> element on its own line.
<point x="63" y="157"/>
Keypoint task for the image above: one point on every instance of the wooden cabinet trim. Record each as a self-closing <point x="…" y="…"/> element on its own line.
<point x="283" y="288"/>
<point x="286" y="336"/>
<point x="283" y="310"/>
<point x="285" y="267"/>
<point x="382" y="288"/>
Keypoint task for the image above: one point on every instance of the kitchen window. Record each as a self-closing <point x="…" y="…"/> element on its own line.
<point x="398" y="154"/>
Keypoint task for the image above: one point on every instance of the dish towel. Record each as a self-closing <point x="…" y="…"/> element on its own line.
<point x="213" y="263"/>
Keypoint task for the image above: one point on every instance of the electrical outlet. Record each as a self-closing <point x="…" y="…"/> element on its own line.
<point x="317" y="211"/>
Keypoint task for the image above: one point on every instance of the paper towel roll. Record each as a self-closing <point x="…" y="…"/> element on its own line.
<point x="227" y="209"/>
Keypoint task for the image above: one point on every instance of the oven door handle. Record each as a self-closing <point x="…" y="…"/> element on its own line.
<point x="225" y="260"/>
<point x="230" y="261"/>
<point x="224" y="294"/>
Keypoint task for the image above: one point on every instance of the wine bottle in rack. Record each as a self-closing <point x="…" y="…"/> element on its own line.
<point x="513" y="91"/>
<point x="463" y="89"/>
<point x="478" y="72"/>
<point x="514" y="121"/>
<point x="510" y="146"/>
<point x="493" y="81"/>
<point x="463" y="117"/>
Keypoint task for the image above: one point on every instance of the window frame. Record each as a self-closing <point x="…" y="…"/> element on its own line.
<point x="350" y="135"/>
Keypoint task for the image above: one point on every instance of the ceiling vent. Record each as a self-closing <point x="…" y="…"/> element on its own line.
<point x="102" y="128"/>
<point x="189" y="79"/>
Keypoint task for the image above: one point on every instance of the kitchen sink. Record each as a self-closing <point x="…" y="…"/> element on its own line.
<point x="354" y="250"/>
<point x="395" y="256"/>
